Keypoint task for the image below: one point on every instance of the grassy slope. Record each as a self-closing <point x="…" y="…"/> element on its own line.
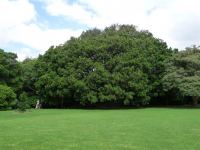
<point x="137" y="129"/>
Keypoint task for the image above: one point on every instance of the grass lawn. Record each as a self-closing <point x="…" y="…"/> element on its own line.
<point x="134" y="129"/>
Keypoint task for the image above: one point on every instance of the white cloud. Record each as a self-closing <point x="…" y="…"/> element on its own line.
<point x="175" y="21"/>
<point x="24" y="53"/>
<point x="171" y="20"/>
<point x="14" y="13"/>
<point x="39" y="38"/>
<point x="18" y="24"/>
<point x="74" y="11"/>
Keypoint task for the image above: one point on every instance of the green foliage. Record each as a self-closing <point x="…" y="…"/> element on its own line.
<point x="10" y="79"/>
<point x="183" y="74"/>
<point x="119" y="65"/>
<point x="7" y="97"/>
<point x="32" y="100"/>
<point x="23" y="102"/>
<point x="28" y="80"/>
<point x="28" y="75"/>
<point x="10" y="71"/>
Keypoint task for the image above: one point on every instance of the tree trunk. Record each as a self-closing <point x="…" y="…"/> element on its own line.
<point x="195" y="100"/>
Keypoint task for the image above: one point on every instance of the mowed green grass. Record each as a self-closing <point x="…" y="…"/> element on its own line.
<point x="134" y="129"/>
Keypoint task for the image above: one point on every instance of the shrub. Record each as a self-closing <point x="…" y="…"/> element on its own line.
<point x="7" y="97"/>
<point x="23" y="102"/>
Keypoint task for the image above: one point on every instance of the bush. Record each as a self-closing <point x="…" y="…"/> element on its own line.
<point x="23" y="102"/>
<point x="7" y="97"/>
<point x="32" y="100"/>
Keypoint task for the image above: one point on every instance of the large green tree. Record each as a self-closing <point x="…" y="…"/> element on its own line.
<point x="117" y="65"/>
<point x="183" y="74"/>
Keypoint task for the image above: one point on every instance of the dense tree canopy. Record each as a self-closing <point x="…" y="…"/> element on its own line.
<point x="117" y="65"/>
<point x="7" y="97"/>
<point x="28" y="95"/>
<point x="183" y="74"/>
<point x="10" y="70"/>
<point x="10" y="79"/>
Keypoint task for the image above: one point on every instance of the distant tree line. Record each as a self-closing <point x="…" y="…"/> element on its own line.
<point x="117" y="66"/>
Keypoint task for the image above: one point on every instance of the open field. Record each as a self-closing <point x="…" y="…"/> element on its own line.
<point x="134" y="129"/>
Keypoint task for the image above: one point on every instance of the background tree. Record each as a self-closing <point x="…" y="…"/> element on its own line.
<point x="10" y="70"/>
<point x="10" y="79"/>
<point x="28" y="79"/>
<point x="7" y="97"/>
<point x="183" y="74"/>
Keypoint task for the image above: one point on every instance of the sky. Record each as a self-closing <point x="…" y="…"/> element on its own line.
<point x="29" y="27"/>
